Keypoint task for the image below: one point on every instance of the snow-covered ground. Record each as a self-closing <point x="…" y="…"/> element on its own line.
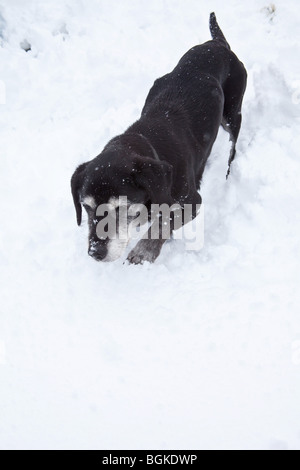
<point x="202" y="349"/>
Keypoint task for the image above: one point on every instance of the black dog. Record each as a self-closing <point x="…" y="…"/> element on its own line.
<point x="161" y="158"/>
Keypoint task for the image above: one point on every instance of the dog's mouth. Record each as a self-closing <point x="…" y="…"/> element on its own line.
<point x="98" y="250"/>
<point x="109" y="251"/>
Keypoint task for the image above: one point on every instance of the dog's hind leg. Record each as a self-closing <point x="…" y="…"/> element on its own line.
<point x="233" y="131"/>
<point x="234" y="91"/>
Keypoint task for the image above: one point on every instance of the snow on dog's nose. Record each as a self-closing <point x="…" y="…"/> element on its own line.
<point x="98" y="251"/>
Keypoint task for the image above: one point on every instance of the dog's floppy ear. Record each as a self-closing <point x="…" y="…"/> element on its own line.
<point x="76" y="185"/>
<point x="155" y="177"/>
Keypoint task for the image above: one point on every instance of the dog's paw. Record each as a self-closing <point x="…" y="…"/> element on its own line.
<point x="139" y="258"/>
<point x="145" y="250"/>
<point x="135" y="258"/>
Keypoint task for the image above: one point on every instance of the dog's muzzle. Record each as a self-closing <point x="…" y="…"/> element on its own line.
<point x="98" y="251"/>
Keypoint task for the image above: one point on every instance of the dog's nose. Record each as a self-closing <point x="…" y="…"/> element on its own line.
<point x="98" y="252"/>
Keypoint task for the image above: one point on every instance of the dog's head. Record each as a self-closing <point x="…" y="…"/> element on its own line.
<point x="102" y="185"/>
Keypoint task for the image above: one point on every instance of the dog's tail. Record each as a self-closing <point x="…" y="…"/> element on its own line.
<point x="216" y="32"/>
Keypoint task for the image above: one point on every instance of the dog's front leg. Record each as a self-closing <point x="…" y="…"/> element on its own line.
<point x="149" y="247"/>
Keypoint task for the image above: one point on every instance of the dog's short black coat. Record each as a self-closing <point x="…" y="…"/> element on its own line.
<point x="161" y="157"/>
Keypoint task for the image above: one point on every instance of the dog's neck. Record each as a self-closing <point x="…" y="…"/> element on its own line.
<point x="137" y="142"/>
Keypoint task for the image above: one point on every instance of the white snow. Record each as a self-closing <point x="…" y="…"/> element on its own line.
<point x="202" y="349"/>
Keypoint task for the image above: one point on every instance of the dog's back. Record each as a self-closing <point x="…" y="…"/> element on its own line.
<point x="203" y="91"/>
